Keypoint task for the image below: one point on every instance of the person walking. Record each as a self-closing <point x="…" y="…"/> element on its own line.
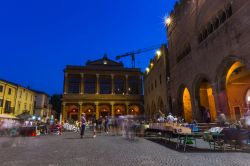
<point x="94" y="124"/>
<point x="83" y="120"/>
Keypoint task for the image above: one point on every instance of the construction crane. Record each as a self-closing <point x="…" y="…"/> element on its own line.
<point x="133" y="53"/>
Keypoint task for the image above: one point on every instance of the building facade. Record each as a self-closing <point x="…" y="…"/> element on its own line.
<point x="101" y="88"/>
<point x="7" y="97"/>
<point x="15" y="99"/>
<point x="24" y="101"/>
<point x="42" y="107"/>
<point x="209" y="53"/>
<point x="156" y="80"/>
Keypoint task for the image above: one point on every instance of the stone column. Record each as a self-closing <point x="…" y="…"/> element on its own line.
<point x="112" y="84"/>
<point x="97" y="110"/>
<point x="112" y="109"/>
<point x="82" y="84"/>
<point x="64" y="112"/>
<point x="127" y="108"/>
<point x="66" y="81"/>
<point x="97" y="84"/>
<point x="127" y="84"/>
<point x="80" y="111"/>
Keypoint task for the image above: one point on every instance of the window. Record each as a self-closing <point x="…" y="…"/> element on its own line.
<point x="9" y="91"/>
<point x="1" y="102"/>
<point x="119" y="85"/>
<point x="20" y="94"/>
<point x="160" y="79"/>
<point x="133" y="84"/>
<point x="26" y="96"/>
<point x="155" y="83"/>
<point x="1" y="88"/>
<point x="74" y="84"/>
<point x="90" y="84"/>
<point x="7" y="107"/>
<point x="105" y="84"/>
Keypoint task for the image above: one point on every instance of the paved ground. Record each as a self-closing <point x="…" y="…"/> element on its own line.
<point x="68" y="149"/>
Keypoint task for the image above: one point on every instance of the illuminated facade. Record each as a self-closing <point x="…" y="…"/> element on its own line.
<point x="15" y="99"/>
<point x="101" y="88"/>
<point x="156" y="80"/>
<point x="209" y="58"/>
<point x="42" y="107"/>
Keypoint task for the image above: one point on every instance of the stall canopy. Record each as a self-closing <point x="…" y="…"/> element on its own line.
<point x="7" y="116"/>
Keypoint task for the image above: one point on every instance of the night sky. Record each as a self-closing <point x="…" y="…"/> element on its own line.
<point x="39" y="38"/>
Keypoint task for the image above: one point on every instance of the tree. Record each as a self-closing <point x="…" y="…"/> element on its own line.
<point x="56" y="102"/>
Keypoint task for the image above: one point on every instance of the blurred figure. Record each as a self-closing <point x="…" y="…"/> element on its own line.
<point x="170" y="118"/>
<point x="106" y="124"/>
<point x="77" y="124"/>
<point x="94" y="124"/>
<point x="222" y="120"/>
<point x="83" y="119"/>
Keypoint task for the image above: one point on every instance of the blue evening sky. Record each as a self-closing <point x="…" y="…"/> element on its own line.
<point x="38" y="38"/>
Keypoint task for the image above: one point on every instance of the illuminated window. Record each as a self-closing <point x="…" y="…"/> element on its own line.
<point x="1" y="88"/>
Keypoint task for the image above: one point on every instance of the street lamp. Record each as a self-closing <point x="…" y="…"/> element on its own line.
<point x="168" y="21"/>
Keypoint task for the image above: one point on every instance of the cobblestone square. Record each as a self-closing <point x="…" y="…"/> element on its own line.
<point x="69" y="149"/>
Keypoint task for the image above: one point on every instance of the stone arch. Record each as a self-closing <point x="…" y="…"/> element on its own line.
<point x="232" y="80"/>
<point x="222" y="71"/>
<point x="119" y="109"/>
<point x="184" y="103"/>
<point x="203" y="94"/>
<point x="134" y="109"/>
<point x="89" y="110"/>
<point x="104" y="109"/>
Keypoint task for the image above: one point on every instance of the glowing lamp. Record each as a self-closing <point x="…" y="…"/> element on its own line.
<point x="118" y="110"/>
<point x="248" y="99"/>
<point x="158" y="53"/>
<point x="147" y="69"/>
<point x="168" y="21"/>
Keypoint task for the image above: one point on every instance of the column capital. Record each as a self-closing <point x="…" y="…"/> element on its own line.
<point x="64" y="103"/>
<point x="112" y="103"/>
<point x="80" y="103"/>
<point x="112" y="76"/>
<point x="96" y="103"/>
<point x="126" y="76"/>
<point x="82" y="75"/>
<point x="65" y="74"/>
<point x="97" y="75"/>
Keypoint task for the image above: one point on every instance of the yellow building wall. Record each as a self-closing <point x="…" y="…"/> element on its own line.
<point x="25" y="101"/>
<point x="8" y="97"/>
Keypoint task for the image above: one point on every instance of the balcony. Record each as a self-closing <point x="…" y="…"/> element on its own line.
<point x="108" y="97"/>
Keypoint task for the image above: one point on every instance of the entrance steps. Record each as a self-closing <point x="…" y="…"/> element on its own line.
<point x="206" y="126"/>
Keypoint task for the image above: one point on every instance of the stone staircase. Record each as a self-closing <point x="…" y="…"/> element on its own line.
<point x="205" y="126"/>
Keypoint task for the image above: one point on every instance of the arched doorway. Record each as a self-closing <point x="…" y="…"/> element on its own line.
<point x="134" y="110"/>
<point x="73" y="113"/>
<point x="104" y="110"/>
<point x="185" y="104"/>
<point x="89" y="110"/>
<point x="237" y="83"/>
<point x="206" y="99"/>
<point x="119" y="109"/>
